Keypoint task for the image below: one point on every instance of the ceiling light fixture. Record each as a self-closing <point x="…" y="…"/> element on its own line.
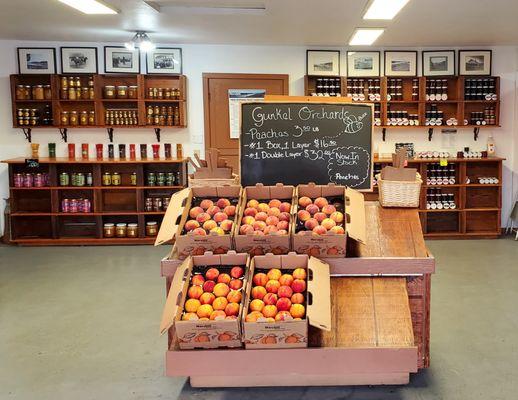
<point x="384" y="9"/>
<point x="365" y="36"/>
<point x="90" y="6"/>
<point x="141" y="40"/>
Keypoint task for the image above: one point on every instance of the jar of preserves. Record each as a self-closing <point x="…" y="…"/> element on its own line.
<point x="151" y="228"/>
<point x="33" y="121"/>
<point x="72" y="94"/>
<point x="63" y="93"/>
<point x="89" y="179"/>
<point x="80" y="179"/>
<point x="64" y="118"/>
<point x="134" y="179"/>
<point x="64" y="82"/>
<point x="116" y="179"/>
<point x="132" y="231"/>
<point x="33" y="112"/>
<point x="73" y="119"/>
<point x="122" y="92"/>
<point x="83" y="118"/>
<point x="91" y="118"/>
<point x="28" y="92"/>
<point x="160" y="94"/>
<point x="109" y="230"/>
<point x="20" y="92"/>
<point x="109" y="92"/>
<point x="148" y="205"/>
<point x="78" y="81"/>
<point x="107" y="179"/>
<point x="132" y="92"/>
<point x="38" y="93"/>
<point x="64" y="179"/>
<point x="47" y="92"/>
<point x="150" y="93"/>
<point x="85" y="93"/>
<point x="28" y="180"/>
<point x="121" y="230"/>
<point x="167" y="93"/>
<point x="91" y="81"/>
<point x="91" y="93"/>
<point x="151" y="179"/>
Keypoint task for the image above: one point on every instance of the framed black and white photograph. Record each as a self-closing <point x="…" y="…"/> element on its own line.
<point x="401" y="63"/>
<point x="474" y="62"/>
<point x="79" y="60"/>
<point x="36" y="60"/>
<point x="363" y="63"/>
<point x="121" y="60"/>
<point x="323" y="62"/>
<point x="438" y="63"/>
<point x="164" y="61"/>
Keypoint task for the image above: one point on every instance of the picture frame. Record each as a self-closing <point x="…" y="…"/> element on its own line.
<point x="400" y="63"/>
<point x="119" y="60"/>
<point x="438" y="63"/>
<point x="323" y="62"/>
<point x="36" y="60"/>
<point x="79" y="60"/>
<point x="164" y="60"/>
<point x="363" y="64"/>
<point x="475" y="62"/>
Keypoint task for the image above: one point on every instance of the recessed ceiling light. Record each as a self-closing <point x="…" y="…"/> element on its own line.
<point x="365" y="36"/>
<point x="90" y="6"/>
<point x="384" y="9"/>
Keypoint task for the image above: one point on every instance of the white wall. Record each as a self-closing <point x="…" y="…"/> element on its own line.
<point x="253" y="59"/>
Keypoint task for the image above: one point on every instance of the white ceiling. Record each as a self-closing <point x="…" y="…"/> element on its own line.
<point x="293" y="22"/>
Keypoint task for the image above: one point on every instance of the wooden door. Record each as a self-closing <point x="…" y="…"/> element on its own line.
<point x="215" y="102"/>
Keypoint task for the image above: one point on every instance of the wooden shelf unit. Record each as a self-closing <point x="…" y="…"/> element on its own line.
<point x="479" y="206"/>
<point x="37" y="219"/>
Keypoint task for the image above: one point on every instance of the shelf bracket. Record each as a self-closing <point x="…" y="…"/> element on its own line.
<point x="64" y="134"/>
<point x="384" y="133"/>
<point x="430" y="134"/>
<point x="110" y="134"/>
<point x="157" y="133"/>
<point x="28" y="134"/>
<point x="476" y="131"/>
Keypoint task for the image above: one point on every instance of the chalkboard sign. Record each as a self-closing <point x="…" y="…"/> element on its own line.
<point x="303" y="142"/>
<point x="32" y="163"/>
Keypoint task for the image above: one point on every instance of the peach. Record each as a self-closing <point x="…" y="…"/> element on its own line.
<point x="245" y="229"/>
<point x="283" y="304"/>
<point x="321" y="202"/>
<point x="328" y="223"/>
<point x="284" y="216"/>
<point x="319" y="230"/>
<point x="274" y="212"/>
<point x="259" y="225"/>
<point x="192" y="305"/>
<point x="259" y="233"/>
<point x="299" y="273"/>
<point x="203" y="319"/>
<point x="311" y="224"/>
<point x="297" y="310"/>
<point x="298" y="286"/>
<point x="328" y="209"/>
<point x="305" y="201"/>
<point x="297" y="298"/>
<point x="230" y="316"/>
<point x="260" y="279"/>
<point x="237" y="272"/>
<point x="204" y="311"/>
<point x="193" y="212"/>
<point x="274" y="203"/>
<point x="232" y="309"/>
<point x="217" y="231"/>
<point x="270" y="298"/>
<point x="338" y="230"/>
<point x="189" y="316"/>
<point x="283" y="225"/>
<point x="202" y="217"/>
<point x="224" y="278"/>
<point x="312" y="209"/>
<point x="222" y="203"/>
<point x="248" y="220"/>
<point x="286" y="279"/>
<point x="303" y="215"/>
<point x="210" y="224"/>
<point x="235" y="284"/>
<point x="269" y="311"/>
<point x="250" y="212"/>
<point x="220" y="217"/>
<point x="199" y="232"/>
<point x="230" y="210"/>
<point x="270" y="229"/>
<point x="252" y="203"/>
<point x="263" y="207"/>
<point x="274" y="274"/>
<point x="207" y="298"/>
<point x="197" y="280"/>
<point x="272" y="286"/>
<point x="195" y="292"/>
<point x="320" y="216"/>
<point x="261" y="216"/>
<point x="219" y="303"/>
<point x="285" y="291"/>
<point x="226" y="225"/>
<point x="208" y="286"/>
<point x="253" y="316"/>
<point x="258" y="292"/>
<point x="222" y="289"/>
<point x="234" y="296"/>
<point x="285" y="207"/>
<point x="272" y="220"/>
<point x="191" y="225"/>
<point x="283" y="316"/>
<point x="217" y="314"/>
<point x="213" y="210"/>
<point x="282" y="232"/>
<point x="337" y="216"/>
<point x="212" y="274"/>
<point x="256" y="305"/>
<point x="206" y="203"/>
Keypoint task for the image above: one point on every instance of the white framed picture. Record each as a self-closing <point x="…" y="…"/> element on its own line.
<point x="323" y="62"/>
<point x="118" y="59"/>
<point x="78" y="60"/>
<point x="363" y="63"/>
<point x="475" y="62"/>
<point x="164" y="61"/>
<point x="438" y="63"/>
<point x="36" y="60"/>
<point x="400" y="63"/>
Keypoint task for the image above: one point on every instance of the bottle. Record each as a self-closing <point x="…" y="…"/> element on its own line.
<point x="491" y="148"/>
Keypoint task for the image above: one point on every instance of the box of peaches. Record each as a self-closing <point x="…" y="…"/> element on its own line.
<point x="205" y="301"/>
<point x="264" y="221"/>
<point x="201" y="219"/>
<point x="325" y="215"/>
<point x="285" y="293"/>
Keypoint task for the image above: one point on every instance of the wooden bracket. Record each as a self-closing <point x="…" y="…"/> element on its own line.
<point x="64" y="134"/>
<point x="430" y="134"/>
<point x="28" y="134"/>
<point x="384" y="134"/>
<point x="476" y="131"/>
<point x="110" y="134"/>
<point x="157" y="133"/>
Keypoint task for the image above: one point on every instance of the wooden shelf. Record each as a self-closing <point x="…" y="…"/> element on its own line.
<point x="76" y="241"/>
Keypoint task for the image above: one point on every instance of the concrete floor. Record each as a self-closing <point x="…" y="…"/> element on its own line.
<point x="82" y="323"/>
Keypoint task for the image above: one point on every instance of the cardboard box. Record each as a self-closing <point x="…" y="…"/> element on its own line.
<point x="177" y="215"/>
<point x="202" y="334"/>
<point x="330" y="244"/>
<point x="293" y="333"/>
<point x="273" y="243"/>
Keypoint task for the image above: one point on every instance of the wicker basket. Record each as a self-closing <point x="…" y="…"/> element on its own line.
<point x="399" y="193"/>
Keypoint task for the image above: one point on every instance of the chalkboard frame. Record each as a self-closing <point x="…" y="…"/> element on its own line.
<point x="316" y="101"/>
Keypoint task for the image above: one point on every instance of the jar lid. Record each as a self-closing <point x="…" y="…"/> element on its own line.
<point x="109" y="86"/>
<point x="121" y="225"/>
<point x="122" y="86"/>
<point x="109" y="225"/>
<point x="132" y="225"/>
<point x="134" y="87"/>
<point x="151" y="223"/>
<point x="64" y="112"/>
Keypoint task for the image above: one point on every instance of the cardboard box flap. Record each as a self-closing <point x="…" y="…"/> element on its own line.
<point x="169" y="225"/>
<point x="319" y="294"/>
<point x="174" y="297"/>
<point x="355" y="210"/>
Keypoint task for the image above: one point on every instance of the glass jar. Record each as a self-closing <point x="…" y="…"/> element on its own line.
<point x="73" y="119"/>
<point x="20" y="92"/>
<point x="72" y="94"/>
<point x="83" y="119"/>
<point x="91" y="93"/>
<point x="116" y="179"/>
<point x="150" y="93"/>
<point x="38" y="92"/>
<point x="109" y="230"/>
<point x="63" y="93"/>
<point x="160" y="93"/>
<point x="132" y="92"/>
<point x="78" y="81"/>
<point x="132" y="231"/>
<point x="91" y="118"/>
<point x="122" y="92"/>
<point x="47" y="92"/>
<point x="85" y="93"/>
<point x="64" y="118"/>
<point x="109" y="92"/>
<point x="107" y="179"/>
<point x="151" y="228"/>
<point x="121" y="230"/>
<point x="64" y="82"/>
<point x="91" y="81"/>
<point x="134" y="179"/>
<point x="27" y="92"/>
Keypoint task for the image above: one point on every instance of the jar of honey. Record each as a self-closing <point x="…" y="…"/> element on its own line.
<point x="109" y="230"/>
<point x="132" y="92"/>
<point x="20" y="92"/>
<point x="73" y="119"/>
<point x="72" y="95"/>
<point x="151" y="228"/>
<point x="132" y="231"/>
<point x="91" y="118"/>
<point x="109" y="92"/>
<point x="37" y="92"/>
<point x="47" y="92"/>
<point x="83" y="118"/>
<point x="64" y="120"/>
<point x="122" y="92"/>
<point x="121" y="230"/>
<point x="85" y="93"/>
<point x="116" y="179"/>
<point x="107" y="179"/>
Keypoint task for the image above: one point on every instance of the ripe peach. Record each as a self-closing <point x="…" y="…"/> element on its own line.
<point x="286" y="279"/>
<point x="195" y="292"/>
<point x="250" y="212"/>
<point x="298" y="285"/>
<point x="210" y="224"/>
<point x="260" y="279"/>
<point x="281" y="232"/>
<point x="299" y="273"/>
<point x="193" y="212"/>
<point x="283" y="316"/>
<point x="297" y="310"/>
<point x="272" y="286"/>
<point x="304" y="201"/>
<point x="237" y="272"/>
<point x="274" y="274"/>
<point x="232" y="309"/>
<point x="269" y="311"/>
<point x="226" y="225"/>
<point x="259" y="233"/>
<point x="337" y="230"/>
<point x="328" y="223"/>
<point x="230" y="210"/>
<point x="220" y="217"/>
<point x="303" y="215"/>
<point x="217" y="231"/>
<point x="337" y="216"/>
<point x="285" y="207"/>
<point x="261" y="216"/>
<point x="263" y="207"/>
<point x="191" y="224"/>
<point x="297" y="298"/>
<point x="312" y="209"/>
<point x="282" y="225"/>
<point x="272" y="220"/>
<point x="274" y="203"/>
<point x="235" y="284"/>
<point x="217" y="314"/>
<point x="320" y="216"/>
<point x="208" y="286"/>
<point x="252" y="203"/>
<point x="206" y="203"/>
<point x="222" y="203"/>
<point x="328" y="209"/>
<point x="213" y="210"/>
<point x="234" y="296"/>
<point x="270" y="229"/>
<point x="189" y="316"/>
<point x="203" y="319"/>
<point x="199" y="232"/>
<point x="283" y="304"/>
<point x="253" y="316"/>
<point x="321" y="202"/>
<point x="245" y="229"/>
<point x="230" y="316"/>
<point x="270" y="298"/>
<point x="192" y="305"/>
<point x="310" y="224"/>
<point x="222" y="289"/>
<point x="258" y="292"/>
<point x="212" y="273"/>
<point x="197" y="280"/>
<point x="202" y="217"/>
<point x="274" y="212"/>
<point x="259" y="225"/>
<point x="224" y="278"/>
<point x="219" y="303"/>
<point x="207" y="298"/>
<point x="204" y="311"/>
<point x="284" y="291"/>
<point x="319" y="230"/>
<point x="256" y="305"/>
<point x="284" y="216"/>
<point x="248" y="220"/>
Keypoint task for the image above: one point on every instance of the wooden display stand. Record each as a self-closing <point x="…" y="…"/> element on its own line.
<point x="380" y="325"/>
